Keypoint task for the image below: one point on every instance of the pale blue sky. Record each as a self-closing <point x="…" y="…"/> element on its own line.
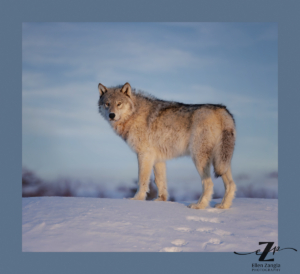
<point x="235" y="64"/>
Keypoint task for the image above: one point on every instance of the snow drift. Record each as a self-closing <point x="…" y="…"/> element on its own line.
<point x="105" y="225"/>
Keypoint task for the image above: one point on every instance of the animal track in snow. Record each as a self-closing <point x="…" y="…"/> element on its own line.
<point x="203" y="219"/>
<point x="171" y="249"/>
<point x="183" y="229"/>
<point x="212" y="241"/>
<point x="39" y="227"/>
<point x="221" y="232"/>
<point x="214" y="231"/>
<point x="273" y="233"/>
<point x="179" y="242"/>
<point x="55" y="226"/>
<point x="205" y="229"/>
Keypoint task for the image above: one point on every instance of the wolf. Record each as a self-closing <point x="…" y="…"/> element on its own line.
<point x="158" y="130"/>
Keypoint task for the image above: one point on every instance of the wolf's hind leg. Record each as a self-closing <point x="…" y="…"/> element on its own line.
<point x="161" y="181"/>
<point x="229" y="190"/>
<point x="207" y="186"/>
<point x="145" y="162"/>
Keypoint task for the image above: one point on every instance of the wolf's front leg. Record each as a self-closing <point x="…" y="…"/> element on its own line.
<point x="145" y="162"/>
<point x="161" y="181"/>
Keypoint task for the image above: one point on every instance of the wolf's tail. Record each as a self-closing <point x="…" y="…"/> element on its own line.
<point x="223" y="151"/>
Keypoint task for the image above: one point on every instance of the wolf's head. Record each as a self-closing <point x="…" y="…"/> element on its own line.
<point x="116" y="104"/>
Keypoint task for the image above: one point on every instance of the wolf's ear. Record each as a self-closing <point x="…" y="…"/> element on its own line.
<point x="126" y="89"/>
<point x="102" y="89"/>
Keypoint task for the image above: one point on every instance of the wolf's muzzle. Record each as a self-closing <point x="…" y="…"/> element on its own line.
<point x="111" y="115"/>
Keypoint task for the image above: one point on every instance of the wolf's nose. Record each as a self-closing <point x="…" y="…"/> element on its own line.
<point x="111" y="115"/>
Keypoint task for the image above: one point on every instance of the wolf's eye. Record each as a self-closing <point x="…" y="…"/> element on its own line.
<point x="107" y="105"/>
<point x="119" y="104"/>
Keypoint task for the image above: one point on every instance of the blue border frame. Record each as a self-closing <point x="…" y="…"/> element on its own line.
<point x="13" y="13"/>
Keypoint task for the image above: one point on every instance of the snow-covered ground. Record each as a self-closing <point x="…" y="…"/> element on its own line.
<point x="93" y="224"/>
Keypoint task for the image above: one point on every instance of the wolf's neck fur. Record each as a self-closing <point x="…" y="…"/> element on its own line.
<point x="122" y="128"/>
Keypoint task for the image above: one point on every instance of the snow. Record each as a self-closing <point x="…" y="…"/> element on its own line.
<point x="118" y="225"/>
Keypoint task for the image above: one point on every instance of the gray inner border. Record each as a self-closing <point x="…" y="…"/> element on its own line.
<point x="13" y="13"/>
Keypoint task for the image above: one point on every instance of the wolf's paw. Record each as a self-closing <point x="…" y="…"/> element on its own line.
<point x="197" y="206"/>
<point x="161" y="198"/>
<point x="137" y="198"/>
<point x="222" y="206"/>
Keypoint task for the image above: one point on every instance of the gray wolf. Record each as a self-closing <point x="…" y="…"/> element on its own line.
<point x="158" y="130"/>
